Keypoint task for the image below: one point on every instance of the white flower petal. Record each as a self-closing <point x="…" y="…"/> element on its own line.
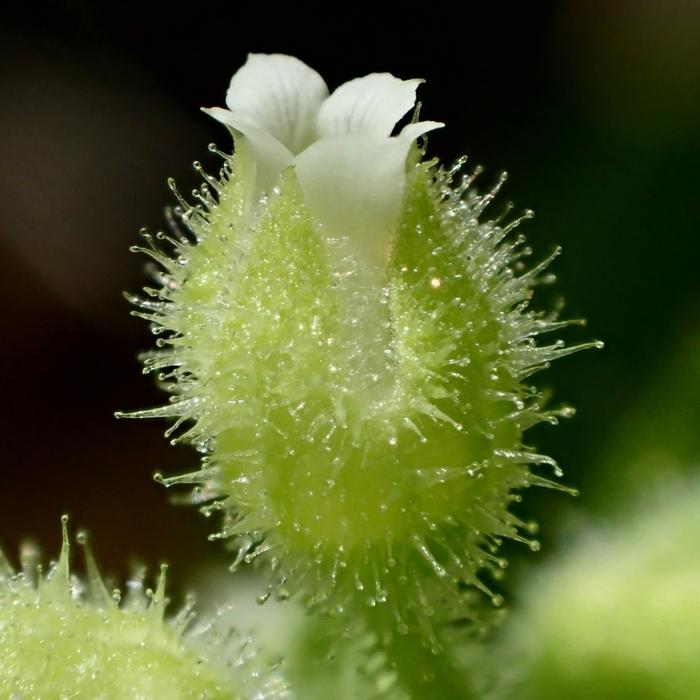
<point x="412" y="131"/>
<point x="281" y="95"/>
<point x="353" y="186"/>
<point x="371" y="105"/>
<point x="262" y="150"/>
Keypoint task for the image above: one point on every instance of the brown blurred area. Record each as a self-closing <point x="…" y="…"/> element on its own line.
<point x="593" y="107"/>
<point x="634" y="65"/>
<point x="87" y="142"/>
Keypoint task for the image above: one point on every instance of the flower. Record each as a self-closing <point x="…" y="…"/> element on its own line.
<point x="349" y="351"/>
<point x="352" y="171"/>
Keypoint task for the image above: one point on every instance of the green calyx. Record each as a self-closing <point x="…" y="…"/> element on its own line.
<point x="361" y="428"/>
<point x="63" y="638"/>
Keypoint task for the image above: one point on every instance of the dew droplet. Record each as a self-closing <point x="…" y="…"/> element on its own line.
<point x="532" y="527"/>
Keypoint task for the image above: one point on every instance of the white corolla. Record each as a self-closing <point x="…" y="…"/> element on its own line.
<point x="350" y="167"/>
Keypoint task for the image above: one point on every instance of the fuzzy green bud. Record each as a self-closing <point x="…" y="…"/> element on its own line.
<point x="617" y="617"/>
<point x="348" y="339"/>
<point x="64" y="638"/>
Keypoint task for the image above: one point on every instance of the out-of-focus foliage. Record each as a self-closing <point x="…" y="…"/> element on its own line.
<point x="659" y="437"/>
<point x="617" y="616"/>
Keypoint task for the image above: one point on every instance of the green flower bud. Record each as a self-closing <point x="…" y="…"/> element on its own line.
<point x="348" y="342"/>
<point x="617" y="616"/>
<point x="64" y="638"/>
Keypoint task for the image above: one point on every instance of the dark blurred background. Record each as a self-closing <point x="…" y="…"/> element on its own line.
<point x="592" y="107"/>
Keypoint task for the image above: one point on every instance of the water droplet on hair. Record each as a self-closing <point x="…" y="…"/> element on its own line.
<point x="532" y="527"/>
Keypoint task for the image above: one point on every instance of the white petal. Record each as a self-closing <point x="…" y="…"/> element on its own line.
<point x="371" y="105"/>
<point x="281" y="95"/>
<point x="354" y="185"/>
<point x="412" y="131"/>
<point x="264" y="152"/>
